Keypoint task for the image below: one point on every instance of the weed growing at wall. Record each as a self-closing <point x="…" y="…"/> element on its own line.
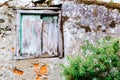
<point x="100" y="61"/>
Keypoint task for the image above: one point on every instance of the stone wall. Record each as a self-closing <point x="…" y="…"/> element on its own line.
<point x="79" y="22"/>
<point x="88" y="22"/>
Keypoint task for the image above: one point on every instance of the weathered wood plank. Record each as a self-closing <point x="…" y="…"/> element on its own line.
<point x="61" y="41"/>
<point x="37" y="12"/>
<point x="40" y="8"/>
<point x="17" y="37"/>
<point x="30" y="36"/>
<point x="50" y="35"/>
<point x="55" y="35"/>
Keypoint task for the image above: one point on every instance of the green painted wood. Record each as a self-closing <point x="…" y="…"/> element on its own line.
<point x="20" y="38"/>
<point x="30" y="39"/>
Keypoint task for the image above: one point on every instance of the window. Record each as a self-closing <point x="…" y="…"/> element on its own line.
<point x="39" y="33"/>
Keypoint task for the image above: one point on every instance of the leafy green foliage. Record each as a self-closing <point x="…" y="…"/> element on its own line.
<point x="99" y="61"/>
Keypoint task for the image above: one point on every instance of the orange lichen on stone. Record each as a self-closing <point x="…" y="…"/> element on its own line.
<point x="36" y="66"/>
<point x="12" y="49"/>
<point x="38" y="78"/>
<point x="19" y="72"/>
<point x="43" y="69"/>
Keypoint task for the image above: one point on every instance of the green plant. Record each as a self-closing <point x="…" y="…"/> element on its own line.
<point x="99" y="61"/>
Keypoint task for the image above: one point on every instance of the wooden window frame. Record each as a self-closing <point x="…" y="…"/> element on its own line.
<point x="39" y="10"/>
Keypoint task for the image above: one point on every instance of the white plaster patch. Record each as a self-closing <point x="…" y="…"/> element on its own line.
<point x="2" y="1"/>
<point x="115" y="1"/>
<point x="56" y="2"/>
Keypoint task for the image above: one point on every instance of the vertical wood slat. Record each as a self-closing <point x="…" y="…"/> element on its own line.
<point x="50" y="35"/>
<point x="31" y="38"/>
<point x="47" y="35"/>
<point x="17" y="38"/>
<point x="55" y="35"/>
<point x="61" y="46"/>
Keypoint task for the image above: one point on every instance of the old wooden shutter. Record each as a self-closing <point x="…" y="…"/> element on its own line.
<point x="39" y="34"/>
<point x="50" y="35"/>
<point x="30" y="35"/>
